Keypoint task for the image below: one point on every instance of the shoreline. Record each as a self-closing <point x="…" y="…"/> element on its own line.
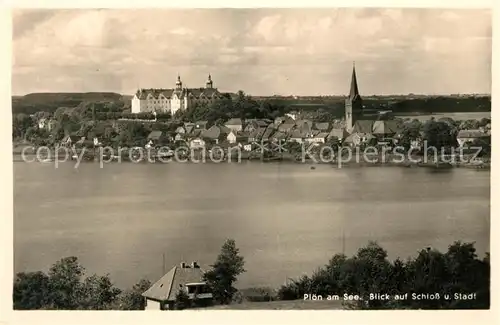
<point x="309" y="162"/>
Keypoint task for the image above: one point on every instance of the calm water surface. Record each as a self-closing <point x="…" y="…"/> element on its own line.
<point x="286" y="218"/>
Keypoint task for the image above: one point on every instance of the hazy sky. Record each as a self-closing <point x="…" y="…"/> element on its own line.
<point x="261" y="51"/>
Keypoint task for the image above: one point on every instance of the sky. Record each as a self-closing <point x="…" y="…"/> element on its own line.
<point x="260" y="51"/>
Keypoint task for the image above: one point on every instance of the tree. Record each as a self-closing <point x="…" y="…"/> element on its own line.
<point x="31" y="290"/>
<point x="182" y="300"/>
<point x="224" y="272"/>
<point x="20" y="124"/>
<point x="132" y="299"/>
<point x="411" y="132"/>
<point x="64" y="287"/>
<point x="456" y="271"/>
<point x="98" y="293"/>
<point x="30" y="133"/>
<point x="439" y="135"/>
<point x="65" y="283"/>
<point x="485" y="144"/>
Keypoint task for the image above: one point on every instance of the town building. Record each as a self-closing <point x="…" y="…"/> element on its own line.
<point x="173" y="99"/>
<point x="188" y="278"/>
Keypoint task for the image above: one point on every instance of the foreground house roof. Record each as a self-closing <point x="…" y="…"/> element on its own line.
<point x="171" y="283"/>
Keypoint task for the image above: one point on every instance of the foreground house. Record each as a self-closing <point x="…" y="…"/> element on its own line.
<point x="188" y="278"/>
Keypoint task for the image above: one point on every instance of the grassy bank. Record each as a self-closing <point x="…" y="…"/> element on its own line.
<point x="283" y="305"/>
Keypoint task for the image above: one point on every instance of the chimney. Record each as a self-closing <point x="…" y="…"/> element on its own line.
<point x="183" y="265"/>
<point x="194" y="265"/>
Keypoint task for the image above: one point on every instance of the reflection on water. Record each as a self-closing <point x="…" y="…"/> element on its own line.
<point x="286" y="218"/>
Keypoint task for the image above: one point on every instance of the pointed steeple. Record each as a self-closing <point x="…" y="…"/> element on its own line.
<point x="354" y="92"/>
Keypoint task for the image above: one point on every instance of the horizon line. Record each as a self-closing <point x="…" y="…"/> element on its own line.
<point x="264" y="95"/>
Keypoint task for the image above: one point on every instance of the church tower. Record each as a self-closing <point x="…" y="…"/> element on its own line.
<point x="209" y="84"/>
<point x="353" y="103"/>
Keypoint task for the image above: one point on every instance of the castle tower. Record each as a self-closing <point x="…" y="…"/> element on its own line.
<point x="353" y="103"/>
<point x="209" y="83"/>
<point x="178" y="84"/>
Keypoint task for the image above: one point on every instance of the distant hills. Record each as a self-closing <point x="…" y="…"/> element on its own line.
<point x="50" y="102"/>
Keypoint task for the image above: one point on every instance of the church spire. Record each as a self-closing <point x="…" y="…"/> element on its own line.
<point x="354" y="92"/>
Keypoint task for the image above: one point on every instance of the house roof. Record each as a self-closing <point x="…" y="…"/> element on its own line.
<point x="471" y="134"/>
<point x="322" y="135"/>
<point x="257" y="133"/>
<point x="154" y="135"/>
<point x="215" y="132"/>
<point x="323" y="126"/>
<point x="234" y="121"/>
<point x="285" y="127"/>
<point x="171" y="283"/>
<point x="224" y="129"/>
<point x="339" y="133"/>
<point x="189" y="128"/>
<point x="297" y="134"/>
<point x="269" y="131"/>
<point x="385" y="127"/>
<point x="351" y="137"/>
<point x="363" y="126"/>
<point x="299" y="123"/>
<point x="306" y="127"/>
<point x="279" y="135"/>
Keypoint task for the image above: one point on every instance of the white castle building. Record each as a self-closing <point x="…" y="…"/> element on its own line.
<point x="171" y="100"/>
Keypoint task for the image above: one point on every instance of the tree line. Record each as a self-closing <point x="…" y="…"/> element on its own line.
<point x="457" y="271"/>
<point x="66" y="286"/>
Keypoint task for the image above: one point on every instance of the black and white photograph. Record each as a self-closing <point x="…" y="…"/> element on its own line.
<point x="208" y="159"/>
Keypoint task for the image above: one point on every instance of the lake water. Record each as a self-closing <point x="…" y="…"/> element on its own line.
<point x="286" y="218"/>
